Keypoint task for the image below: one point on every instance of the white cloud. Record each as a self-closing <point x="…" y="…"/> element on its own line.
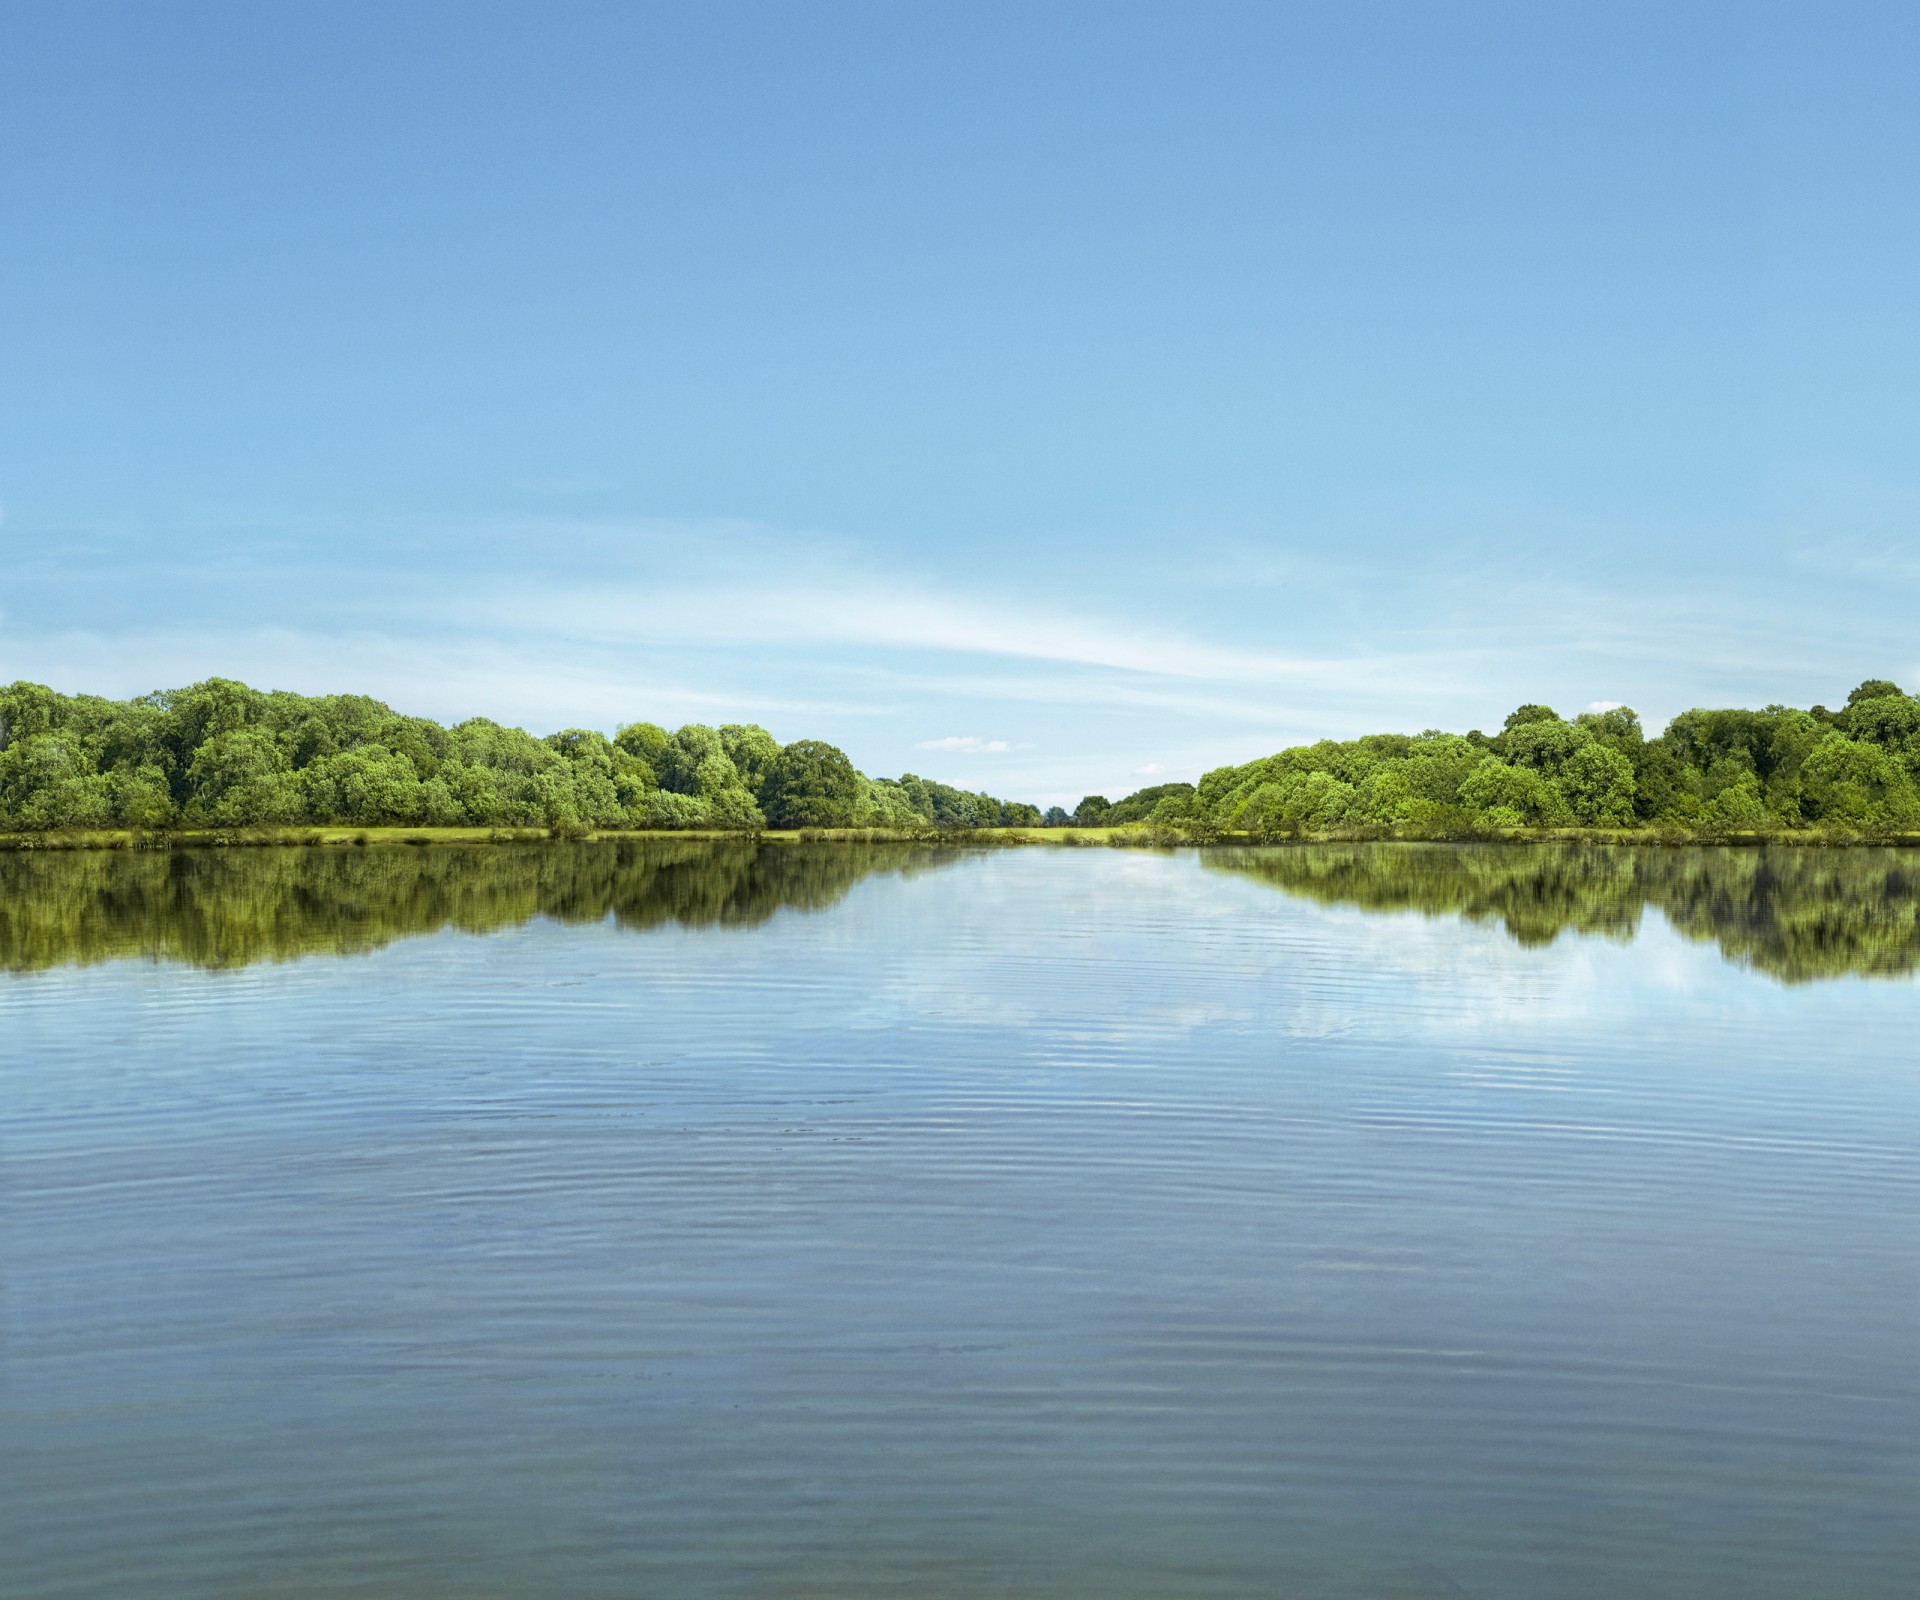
<point x="448" y="680"/>
<point x="856" y="611"/>
<point x="686" y="623"/>
<point x="1598" y="706"/>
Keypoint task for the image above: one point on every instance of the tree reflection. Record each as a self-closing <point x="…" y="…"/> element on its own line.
<point x="1797" y="913"/>
<point x="229" y="907"/>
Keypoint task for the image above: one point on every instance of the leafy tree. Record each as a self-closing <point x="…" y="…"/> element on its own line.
<point x="886" y="804"/>
<point x="812" y="785"/>
<point x="1598" y="785"/>
<point x="1092" y="811"/>
<point x="1850" y="781"/>
<point x="203" y="711"/>
<point x="139" y="797"/>
<point x="592" y="764"/>
<point x="1142" y="803"/>
<point x="27" y="710"/>
<point x="645" y="743"/>
<point x="1891" y="721"/>
<point x="1544" y="743"/>
<point x="1618" y="727"/>
<point x="753" y="752"/>
<point x="240" y="774"/>
<point x="1872" y="689"/>
<point x="367" y="787"/>
<point x="47" y="782"/>
<point x="1739" y="803"/>
<point x="662" y="808"/>
<point x="1514" y="797"/>
<point x="1263" y="813"/>
<point x="1383" y="796"/>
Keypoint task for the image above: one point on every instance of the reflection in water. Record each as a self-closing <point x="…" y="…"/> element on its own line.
<point x="1795" y="913"/>
<point x="226" y="908"/>
<point x="1065" y="1224"/>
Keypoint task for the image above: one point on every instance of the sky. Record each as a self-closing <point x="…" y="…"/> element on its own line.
<point x="1049" y="398"/>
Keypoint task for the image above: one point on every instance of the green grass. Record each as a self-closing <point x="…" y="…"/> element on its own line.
<point x="1139" y="835"/>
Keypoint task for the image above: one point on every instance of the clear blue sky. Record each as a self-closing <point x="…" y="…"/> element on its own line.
<point x="1135" y="388"/>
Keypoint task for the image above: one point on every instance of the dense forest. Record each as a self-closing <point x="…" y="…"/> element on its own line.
<point x="1856" y="769"/>
<point x="220" y="754"/>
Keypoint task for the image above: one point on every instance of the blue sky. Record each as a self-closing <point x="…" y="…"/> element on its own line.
<point x="1044" y="398"/>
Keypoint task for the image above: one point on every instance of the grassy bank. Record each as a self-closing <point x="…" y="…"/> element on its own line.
<point x="348" y="837"/>
<point x="1127" y="836"/>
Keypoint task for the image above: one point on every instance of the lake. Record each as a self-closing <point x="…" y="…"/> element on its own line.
<point x="683" y="1219"/>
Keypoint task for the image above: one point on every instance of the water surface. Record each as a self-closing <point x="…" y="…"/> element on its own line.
<point x="724" y="1221"/>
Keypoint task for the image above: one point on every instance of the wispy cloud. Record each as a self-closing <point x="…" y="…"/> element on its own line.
<point x="861" y="614"/>
<point x="680" y="623"/>
<point x="967" y="742"/>
<point x="447" y="679"/>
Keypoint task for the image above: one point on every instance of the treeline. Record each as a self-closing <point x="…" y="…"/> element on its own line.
<point x="1856" y="769"/>
<point x="220" y="754"/>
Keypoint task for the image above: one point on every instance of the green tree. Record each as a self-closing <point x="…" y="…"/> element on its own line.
<point x="46" y="781"/>
<point x="694" y="762"/>
<point x="27" y="710"/>
<point x="812" y="785"/>
<point x="644" y="743"/>
<point x="753" y="752"/>
<point x="1850" y="781"/>
<point x="1618" y="727"/>
<point x="1891" y="721"/>
<point x="1514" y="797"/>
<point x="368" y="787"/>
<point x="1739" y="804"/>
<point x="140" y="797"/>
<point x="1598" y="785"/>
<point x="241" y="775"/>
<point x="1545" y="744"/>
<point x="1142" y="803"/>
<point x="1872" y="689"/>
<point x="1092" y="811"/>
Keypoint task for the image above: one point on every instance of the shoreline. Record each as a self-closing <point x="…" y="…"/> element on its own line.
<point x="1125" y="836"/>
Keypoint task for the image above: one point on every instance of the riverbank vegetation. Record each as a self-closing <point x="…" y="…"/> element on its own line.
<point x="1717" y="773"/>
<point x="221" y="763"/>
<point x="220" y="757"/>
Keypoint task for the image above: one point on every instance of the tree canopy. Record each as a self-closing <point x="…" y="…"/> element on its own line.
<point x="221" y="754"/>
<point x="1710" y="770"/>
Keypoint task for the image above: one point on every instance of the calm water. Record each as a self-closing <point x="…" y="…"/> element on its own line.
<point x="701" y="1221"/>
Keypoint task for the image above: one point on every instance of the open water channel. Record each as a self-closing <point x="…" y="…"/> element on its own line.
<point x="682" y="1220"/>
